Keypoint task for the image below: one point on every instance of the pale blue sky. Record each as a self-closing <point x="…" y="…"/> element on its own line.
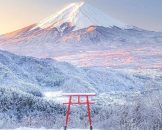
<point x="15" y="14"/>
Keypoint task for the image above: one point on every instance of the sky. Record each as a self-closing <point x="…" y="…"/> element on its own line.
<point x="16" y="14"/>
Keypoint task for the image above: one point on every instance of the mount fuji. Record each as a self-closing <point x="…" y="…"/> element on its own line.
<point x="85" y="36"/>
<point x="79" y="15"/>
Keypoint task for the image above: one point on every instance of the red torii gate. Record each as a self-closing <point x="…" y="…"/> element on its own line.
<point x="87" y="102"/>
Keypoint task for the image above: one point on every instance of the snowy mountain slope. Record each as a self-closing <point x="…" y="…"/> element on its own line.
<point x="84" y="36"/>
<point x="27" y="74"/>
<point x="102" y="46"/>
<point x="75" y="16"/>
<point x="80" y="15"/>
<point x="30" y="73"/>
<point x="23" y="81"/>
<point x="18" y="109"/>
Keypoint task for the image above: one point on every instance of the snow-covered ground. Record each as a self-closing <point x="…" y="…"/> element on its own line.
<point x="23" y="128"/>
<point x="31" y="92"/>
<point x="36" y="76"/>
<point x="56" y="96"/>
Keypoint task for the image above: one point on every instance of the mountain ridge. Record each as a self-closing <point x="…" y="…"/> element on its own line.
<point x="65" y="42"/>
<point x="80" y="15"/>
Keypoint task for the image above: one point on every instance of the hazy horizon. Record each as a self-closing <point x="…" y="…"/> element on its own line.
<point x="16" y="14"/>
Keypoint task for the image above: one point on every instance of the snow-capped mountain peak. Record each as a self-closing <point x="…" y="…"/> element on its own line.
<point x="80" y="15"/>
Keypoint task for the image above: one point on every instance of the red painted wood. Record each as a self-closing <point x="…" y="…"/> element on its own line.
<point x="68" y="111"/>
<point x="89" y="111"/>
<point x="79" y="99"/>
<point x="81" y="103"/>
<point x="79" y="94"/>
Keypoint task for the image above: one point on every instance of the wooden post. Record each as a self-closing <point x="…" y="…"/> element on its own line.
<point x="68" y="112"/>
<point x="89" y="113"/>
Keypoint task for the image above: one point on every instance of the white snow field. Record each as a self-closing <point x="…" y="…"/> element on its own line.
<point x="23" y="128"/>
<point x="44" y="129"/>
